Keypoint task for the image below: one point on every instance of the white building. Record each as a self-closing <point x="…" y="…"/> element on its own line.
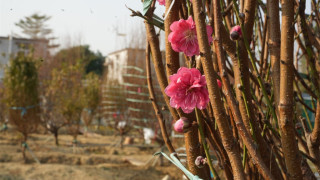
<point x="125" y="90"/>
<point x="11" y="45"/>
<point x="118" y="62"/>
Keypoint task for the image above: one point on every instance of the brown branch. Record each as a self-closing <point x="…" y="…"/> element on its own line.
<point x="216" y="139"/>
<point x="216" y="142"/>
<point x="301" y="142"/>
<point x="249" y="11"/>
<point x="316" y="12"/>
<point x="184" y="11"/>
<point x="228" y="9"/>
<point x="314" y="40"/>
<point x="304" y="84"/>
<point x="191" y="140"/>
<point x="241" y="72"/>
<point x="310" y="58"/>
<point x="215" y="98"/>
<point x="172" y="63"/>
<point x="313" y="139"/>
<point x="224" y="161"/>
<point x="306" y="170"/>
<point x="172" y="57"/>
<point x="262" y="168"/>
<point x="159" y="115"/>
<point x="158" y="65"/>
<point x="240" y="126"/>
<point x="288" y="140"/>
<point x="264" y="45"/>
<point x="315" y="136"/>
<point x="304" y="104"/>
<point x="274" y="44"/>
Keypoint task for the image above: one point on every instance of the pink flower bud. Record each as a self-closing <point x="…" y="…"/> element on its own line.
<point x="162" y="2"/>
<point x="200" y="161"/>
<point x="219" y="83"/>
<point x="235" y="33"/>
<point x="182" y="125"/>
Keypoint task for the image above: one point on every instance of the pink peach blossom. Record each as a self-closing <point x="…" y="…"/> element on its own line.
<point x="182" y="125"/>
<point x="183" y="37"/>
<point x="235" y="32"/>
<point x="162" y="2"/>
<point x="187" y="90"/>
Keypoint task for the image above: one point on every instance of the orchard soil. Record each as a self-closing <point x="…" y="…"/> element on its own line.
<point x="95" y="158"/>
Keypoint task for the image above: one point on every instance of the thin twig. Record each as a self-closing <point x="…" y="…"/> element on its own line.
<point x="155" y="105"/>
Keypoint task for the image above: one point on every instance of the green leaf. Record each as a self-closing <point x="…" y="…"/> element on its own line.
<point x="146" y="6"/>
<point x="178" y="164"/>
<point x="158" y="18"/>
<point x="303" y="75"/>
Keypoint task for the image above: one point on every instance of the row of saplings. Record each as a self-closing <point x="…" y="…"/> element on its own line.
<point x="59" y="99"/>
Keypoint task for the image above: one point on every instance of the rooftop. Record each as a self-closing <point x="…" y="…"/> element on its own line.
<point x="23" y="39"/>
<point x="126" y="49"/>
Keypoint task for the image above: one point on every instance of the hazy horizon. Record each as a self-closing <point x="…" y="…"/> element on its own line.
<point x="95" y="23"/>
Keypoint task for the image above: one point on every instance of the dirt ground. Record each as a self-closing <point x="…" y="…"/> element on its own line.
<point x="96" y="157"/>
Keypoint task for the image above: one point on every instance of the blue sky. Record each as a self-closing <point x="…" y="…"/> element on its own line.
<point x="94" y="22"/>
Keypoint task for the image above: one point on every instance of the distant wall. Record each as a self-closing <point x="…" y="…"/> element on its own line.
<point x="9" y="46"/>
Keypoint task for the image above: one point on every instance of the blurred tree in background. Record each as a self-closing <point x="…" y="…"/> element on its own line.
<point x="96" y="64"/>
<point x="50" y="90"/>
<point x="34" y="26"/>
<point x="71" y="100"/>
<point x="2" y="106"/>
<point x="74" y="90"/>
<point x="92" y="62"/>
<point x="91" y="97"/>
<point x="21" y="95"/>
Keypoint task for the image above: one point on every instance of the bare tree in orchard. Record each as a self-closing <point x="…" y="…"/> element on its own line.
<point x="242" y="88"/>
<point x="69" y="83"/>
<point x="71" y="102"/>
<point x="51" y="116"/>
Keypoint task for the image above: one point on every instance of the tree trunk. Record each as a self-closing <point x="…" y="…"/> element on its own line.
<point x="56" y="137"/>
<point x="274" y="43"/>
<point x="24" y="147"/>
<point x="121" y="141"/>
<point x="287" y="128"/>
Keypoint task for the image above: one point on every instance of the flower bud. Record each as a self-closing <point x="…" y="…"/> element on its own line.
<point x="219" y="83"/>
<point x="182" y="125"/>
<point x="298" y="126"/>
<point x="200" y="161"/>
<point x="242" y="16"/>
<point x="235" y="33"/>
